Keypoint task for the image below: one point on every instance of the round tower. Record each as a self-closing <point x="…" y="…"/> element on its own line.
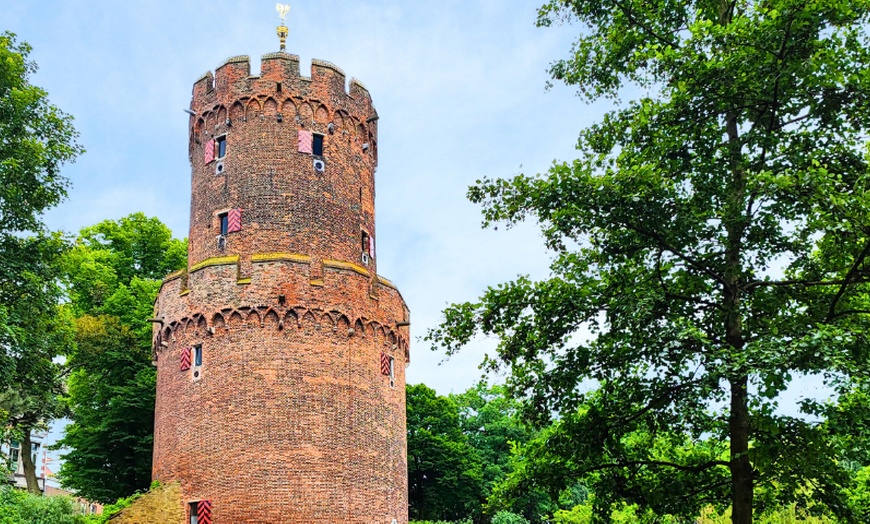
<point x="280" y="351"/>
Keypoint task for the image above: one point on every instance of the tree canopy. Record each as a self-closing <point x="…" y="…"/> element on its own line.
<point x="710" y="247"/>
<point x="114" y="272"/>
<point x="36" y="139"/>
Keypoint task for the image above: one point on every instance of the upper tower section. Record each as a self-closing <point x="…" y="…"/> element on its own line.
<point x="286" y="160"/>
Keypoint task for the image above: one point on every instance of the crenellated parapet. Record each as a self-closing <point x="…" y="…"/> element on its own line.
<point x="214" y="294"/>
<point x="309" y="102"/>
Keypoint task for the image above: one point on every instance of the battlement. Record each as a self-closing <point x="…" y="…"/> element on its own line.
<point x="279" y="73"/>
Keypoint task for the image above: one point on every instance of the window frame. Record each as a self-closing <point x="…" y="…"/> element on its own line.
<point x="220" y="147"/>
<point x="223" y="222"/>
<point x="194" y="512"/>
<point x="317" y="139"/>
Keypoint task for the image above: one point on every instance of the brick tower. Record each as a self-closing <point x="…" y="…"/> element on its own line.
<point x="280" y="351"/>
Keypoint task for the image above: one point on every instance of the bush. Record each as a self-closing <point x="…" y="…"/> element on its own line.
<point x="20" y="507"/>
<point x="506" y="517"/>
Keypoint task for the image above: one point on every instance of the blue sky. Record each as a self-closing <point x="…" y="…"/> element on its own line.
<point x="459" y="87"/>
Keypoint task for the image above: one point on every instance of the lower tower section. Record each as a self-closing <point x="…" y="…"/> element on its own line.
<point x="281" y="396"/>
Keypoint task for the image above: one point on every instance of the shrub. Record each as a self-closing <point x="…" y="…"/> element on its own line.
<point x="20" y="507"/>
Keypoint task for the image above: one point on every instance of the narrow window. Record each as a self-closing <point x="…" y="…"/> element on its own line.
<point x="317" y="145"/>
<point x="278" y="87"/>
<point x="197" y="355"/>
<point x="224" y="223"/>
<point x="13" y="456"/>
<point x="392" y="372"/>
<point x="34" y="451"/>
<point x="194" y="517"/>
<point x="365" y="242"/>
<point x="221" y="146"/>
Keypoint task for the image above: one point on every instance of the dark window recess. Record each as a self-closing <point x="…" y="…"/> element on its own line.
<point x="224" y="222"/>
<point x="317" y="145"/>
<point x="365" y="242"/>
<point x="221" y="146"/>
<point x="278" y="87"/>
<point x="197" y="355"/>
<point x="194" y="517"/>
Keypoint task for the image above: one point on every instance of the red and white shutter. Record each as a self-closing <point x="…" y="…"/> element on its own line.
<point x="185" y="359"/>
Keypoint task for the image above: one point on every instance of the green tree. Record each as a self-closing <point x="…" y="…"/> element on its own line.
<point x="490" y="420"/>
<point x="710" y="242"/>
<point x="36" y="139"/>
<point x="114" y="273"/>
<point x="444" y="472"/>
<point x="112" y="397"/>
<point x="38" y="332"/>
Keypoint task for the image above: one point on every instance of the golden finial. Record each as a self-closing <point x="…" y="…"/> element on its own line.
<point x="282" y="30"/>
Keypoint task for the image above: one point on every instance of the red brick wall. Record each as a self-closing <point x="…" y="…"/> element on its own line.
<point x="291" y="419"/>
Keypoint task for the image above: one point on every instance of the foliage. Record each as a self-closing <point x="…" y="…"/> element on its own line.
<point x="112" y="510"/>
<point x="859" y="494"/>
<point x="112" y="394"/>
<point x="114" y="274"/>
<point x="489" y="417"/>
<point x="506" y="517"/>
<point x="38" y="332"/>
<point x="37" y="140"/>
<point x="710" y="246"/>
<point x="445" y="480"/>
<point x="467" y="521"/>
<point x="20" y="507"/>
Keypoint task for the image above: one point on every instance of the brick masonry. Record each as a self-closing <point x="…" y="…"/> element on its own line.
<point x="289" y="418"/>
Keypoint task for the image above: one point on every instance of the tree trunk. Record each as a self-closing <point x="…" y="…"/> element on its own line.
<point x="29" y="465"/>
<point x="741" y="467"/>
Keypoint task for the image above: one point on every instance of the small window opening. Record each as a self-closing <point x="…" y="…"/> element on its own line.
<point x="392" y="372"/>
<point x="224" y="223"/>
<point x="13" y="457"/>
<point x="317" y="145"/>
<point x="221" y="146"/>
<point x="365" y="242"/>
<point x="34" y="451"/>
<point x="197" y="355"/>
<point x="194" y="517"/>
<point x="278" y="87"/>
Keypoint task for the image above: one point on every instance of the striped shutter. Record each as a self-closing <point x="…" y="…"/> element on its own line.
<point x="303" y="141"/>
<point x="385" y="364"/>
<point x="185" y="359"/>
<point x="203" y="512"/>
<point x="234" y="220"/>
<point x="209" y="151"/>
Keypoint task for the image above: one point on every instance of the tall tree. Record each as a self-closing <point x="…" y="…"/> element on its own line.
<point x="710" y="242"/>
<point x="36" y="139"/>
<point x="490" y="420"/>
<point x="444" y="472"/>
<point x="114" y="273"/>
<point x="39" y="332"/>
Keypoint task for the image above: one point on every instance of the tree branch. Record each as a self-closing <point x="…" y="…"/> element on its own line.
<point x="660" y="463"/>
<point x="847" y="281"/>
<point x="691" y="261"/>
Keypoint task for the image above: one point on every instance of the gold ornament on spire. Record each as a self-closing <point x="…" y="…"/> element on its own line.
<point x="282" y="30"/>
